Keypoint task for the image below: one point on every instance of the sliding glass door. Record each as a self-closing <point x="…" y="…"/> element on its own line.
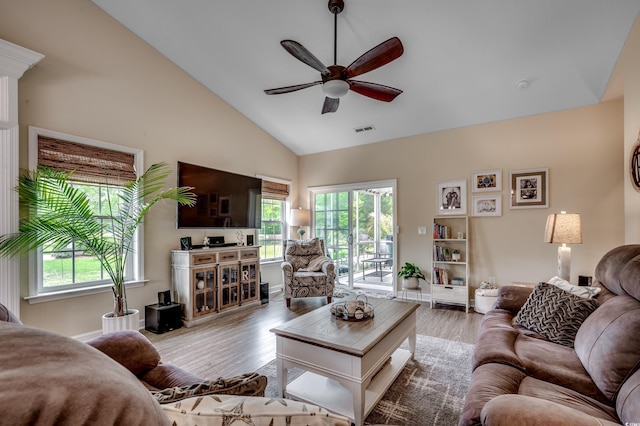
<point x="357" y="223"/>
<point x="332" y="223"/>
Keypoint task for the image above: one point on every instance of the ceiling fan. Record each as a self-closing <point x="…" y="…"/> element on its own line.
<point x="336" y="79"/>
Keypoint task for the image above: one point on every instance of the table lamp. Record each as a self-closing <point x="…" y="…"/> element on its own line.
<point x="564" y="228"/>
<point x="300" y="217"/>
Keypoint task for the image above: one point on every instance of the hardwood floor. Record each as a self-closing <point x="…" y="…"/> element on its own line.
<point x="239" y="341"/>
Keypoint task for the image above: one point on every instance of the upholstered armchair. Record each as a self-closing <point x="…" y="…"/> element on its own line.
<point x="306" y="270"/>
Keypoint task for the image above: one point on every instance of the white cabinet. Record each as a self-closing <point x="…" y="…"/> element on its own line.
<point x="207" y="281"/>
<point x="450" y="260"/>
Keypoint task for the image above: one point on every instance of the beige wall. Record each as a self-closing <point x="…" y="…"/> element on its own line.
<point x="581" y="147"/>
<point x="630" y="63"/>
<point x="100" y="81"/>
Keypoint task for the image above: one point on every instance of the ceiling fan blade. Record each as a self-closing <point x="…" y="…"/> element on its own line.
<point x="380" y="55"/>
<point x="302" y="54"/>
<point x="289" y="89"/>
<point x="330" y="105"/>
<point x="374" y="91"/>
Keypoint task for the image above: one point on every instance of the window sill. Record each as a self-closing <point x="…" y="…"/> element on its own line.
<point x="77" y="292"/>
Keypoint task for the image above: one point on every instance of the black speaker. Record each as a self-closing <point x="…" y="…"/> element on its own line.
<point x="162" y="318"/>
<point x="164" y="298"/>
<point x="584" y="280"/>
<point x="249" y="240"/>
<point x="264" y="293"/>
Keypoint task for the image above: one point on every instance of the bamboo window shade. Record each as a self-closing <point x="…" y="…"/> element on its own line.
<point x="88" y="163"/>
<point x="274" y="190"/>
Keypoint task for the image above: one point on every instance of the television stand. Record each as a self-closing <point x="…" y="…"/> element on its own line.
<point x="211" y="280"/>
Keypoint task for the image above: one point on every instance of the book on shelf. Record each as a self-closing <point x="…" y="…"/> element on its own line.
<point x="440" y="276"/>
<point x="441" y="254"/>
<point x="441" y="232"/>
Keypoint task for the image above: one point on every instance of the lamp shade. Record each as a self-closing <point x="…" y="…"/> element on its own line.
<point x="300" y="217"/>
<point x="563" y="228"/>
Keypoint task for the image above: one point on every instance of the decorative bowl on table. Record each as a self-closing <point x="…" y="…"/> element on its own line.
<point x="353" y="310"/>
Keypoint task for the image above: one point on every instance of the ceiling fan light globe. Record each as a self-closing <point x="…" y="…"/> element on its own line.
<point x="335" y="88"/>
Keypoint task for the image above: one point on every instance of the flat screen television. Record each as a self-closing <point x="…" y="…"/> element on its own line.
<point x="224" y="199"/>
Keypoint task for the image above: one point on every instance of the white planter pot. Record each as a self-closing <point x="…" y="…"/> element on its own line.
<point x="455" y="257"/>
<point x="111" y="323"/>
<point x="410" y="283"/>
<point x="482" y="304"/>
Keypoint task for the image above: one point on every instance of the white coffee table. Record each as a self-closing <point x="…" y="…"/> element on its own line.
<point x="348" y="365"/>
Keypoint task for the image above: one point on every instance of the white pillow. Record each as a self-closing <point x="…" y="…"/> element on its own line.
<point x="582" y="291"/>
<point x="316" y="264"/>
<point x="222" y="410"/>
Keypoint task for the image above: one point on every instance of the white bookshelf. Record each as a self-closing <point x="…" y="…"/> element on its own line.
<point x="450" y="276"/>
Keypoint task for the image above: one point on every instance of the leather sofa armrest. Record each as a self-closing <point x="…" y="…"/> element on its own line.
<point x="165" y="376"/>
<point x="512" y="297"/>
<point x="507" y="410"/>
<point x="129" y="348"/>
<point x="7" y="315"/>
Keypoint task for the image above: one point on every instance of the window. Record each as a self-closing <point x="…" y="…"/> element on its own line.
<point x="71" y="267"/>
<point x="274" y="219"/>
<point x="271" y="231"/>
<point x="99" y="170"/>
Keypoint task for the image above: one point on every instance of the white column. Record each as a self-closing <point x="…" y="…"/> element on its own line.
<point x="14" y="61"/>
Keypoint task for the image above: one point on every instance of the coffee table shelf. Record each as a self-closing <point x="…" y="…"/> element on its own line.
<point x="316" y="389"/>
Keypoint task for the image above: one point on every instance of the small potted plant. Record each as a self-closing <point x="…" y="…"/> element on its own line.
<point x="456" y="255"/>
<point x="410" y="275"/>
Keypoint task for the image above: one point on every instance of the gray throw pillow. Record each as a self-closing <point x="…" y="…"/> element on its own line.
<point x="554" y="313"/>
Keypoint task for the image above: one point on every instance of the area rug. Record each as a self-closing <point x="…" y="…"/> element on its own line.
<point x="429" y="391"/>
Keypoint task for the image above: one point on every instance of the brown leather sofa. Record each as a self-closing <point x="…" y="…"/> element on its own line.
<point x="118" y="379"/>
<point x="521" y="378"/>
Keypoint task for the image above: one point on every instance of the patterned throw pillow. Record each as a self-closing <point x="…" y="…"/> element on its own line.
<point x="304" y="247"/>
<point x="250" y="384"/>
<point x="582" y="291"/>
<point x="554" y="313"/>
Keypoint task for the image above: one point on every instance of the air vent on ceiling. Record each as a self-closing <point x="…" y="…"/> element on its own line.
<point x="365" y="128"/>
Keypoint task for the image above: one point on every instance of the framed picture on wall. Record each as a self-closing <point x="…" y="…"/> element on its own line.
<point x="452" y="197"/>
<point x="529" y="188"/>
<point x="487" y="181"/>
<point x="488" y="205"/>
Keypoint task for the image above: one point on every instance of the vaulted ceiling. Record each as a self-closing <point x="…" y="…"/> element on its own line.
<point x="464" y="61"/>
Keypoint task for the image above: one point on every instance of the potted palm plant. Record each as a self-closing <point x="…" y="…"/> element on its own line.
<point x="410" y="275"/>
<point x="61" y="214"/>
